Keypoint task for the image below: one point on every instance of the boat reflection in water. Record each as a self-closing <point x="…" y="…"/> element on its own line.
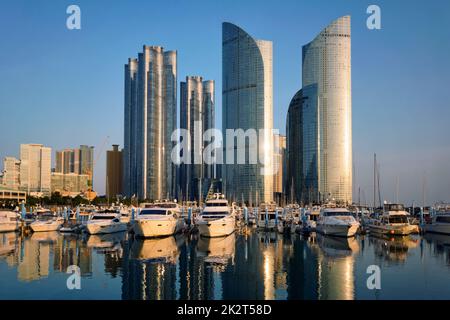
<point x="439" y="245"/>
<point x="150" y="270"/>
<point x="155" y="250"/>
<point x="215" y="255"/>
<point x="252" y="265"/>
<point x="217" y="251"/>
<point x="108" y="242"/>
<point x="335" y="267"/>
<point x="8" y="244"/>
<point x="393" y="249"/>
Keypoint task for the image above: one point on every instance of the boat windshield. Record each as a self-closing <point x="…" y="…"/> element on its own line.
<point x="45" y="217"/>
<point x="216" y="204"/>
<point x="398" y="219"/>
<point x="337" y="213"/>
<point x="153" y="212"/>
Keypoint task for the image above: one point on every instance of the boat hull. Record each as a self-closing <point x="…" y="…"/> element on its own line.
<point x="392" y="230"/>
<point x="216" y="228"/>
<point x="8" y="227"/>
<point x="336" y="230"/>
<point x="150" y="228"/>
<point x="438" y="228"/>
<point x="45" y="227"/>
<point x="105" y="228"/>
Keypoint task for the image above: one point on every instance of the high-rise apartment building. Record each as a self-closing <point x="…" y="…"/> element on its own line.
<point x="279" y="167"/>
<point x="11" y="173"/>
<point x="114" y="172"/>
<point x="319" y="124"/>
<point x="150" y="119"/>
<point x="35" y="168"/>
<point x="196" y="116"/>
<point x="247" y="104"/>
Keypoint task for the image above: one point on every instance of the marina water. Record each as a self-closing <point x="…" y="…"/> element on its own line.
<point x="254" y="265"/>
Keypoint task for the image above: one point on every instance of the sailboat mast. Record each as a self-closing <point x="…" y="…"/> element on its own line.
<point x="374" y="178"/>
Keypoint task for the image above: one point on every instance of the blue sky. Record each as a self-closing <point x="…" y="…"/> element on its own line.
<point x="64" y="87"/>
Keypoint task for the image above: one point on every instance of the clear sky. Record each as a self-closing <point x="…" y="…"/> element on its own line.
<point x="63" y="88"/>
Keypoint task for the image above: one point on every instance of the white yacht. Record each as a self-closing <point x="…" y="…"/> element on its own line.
<point x="105" y="221"/>
<point x="217" y="219"/>
<point x="337" y="222"/>
<point x="46" y="221"/>
<point x="267" y="216"/>
<point x="9" y="221"/>
<point x="159" y="219"/>
<point x="392" y="221"/>
<point x="440" y="221"/>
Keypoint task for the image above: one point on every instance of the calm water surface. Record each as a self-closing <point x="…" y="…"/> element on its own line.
<point x="254" y="266"/>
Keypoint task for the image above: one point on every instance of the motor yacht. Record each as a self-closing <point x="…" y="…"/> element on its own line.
<point x="392" y="221"/>
<point x="337" y="222"/>
<point x="9" y="221"/>
<point x="46" y="221"/>
<point x="267" y="216"/>
<point x="440" y="220"/>
<point x="105" y="221"/>
<point x="217" y="219"/>
<point x="162" y="218"/>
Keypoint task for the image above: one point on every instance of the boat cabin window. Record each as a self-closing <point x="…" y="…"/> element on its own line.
<point x="394" y="207"/>
<point x="214" y="213"/>
<point x="166" y="205"/>
<point x="217" y="204"/>
<point x="271" y="216"/>
<point x="154" y="212"/>
<point x="443" y="219"/>
<point x="337" y="213"/>
<point x="98" y="217"/>
<point x="398" y="219"/>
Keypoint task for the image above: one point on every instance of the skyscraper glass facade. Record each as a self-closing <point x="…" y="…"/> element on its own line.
<point x="150" y="119"/>
<point x="247" y="104"/>
<point x="328" y="147"/>
<point x="196" y="109"/>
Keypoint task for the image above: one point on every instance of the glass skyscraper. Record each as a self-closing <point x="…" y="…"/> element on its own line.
<point x="196" y="108"/>
<point x="326" y="120"/>
<point x="247" y="104"/>
<point x="150" y="119"/>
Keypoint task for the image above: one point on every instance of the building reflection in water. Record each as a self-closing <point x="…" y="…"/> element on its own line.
<point x="258" y="265"/>
<point x="335" y="267"/>
<point x="149" y="272"/>
<point x="42" y="253"/>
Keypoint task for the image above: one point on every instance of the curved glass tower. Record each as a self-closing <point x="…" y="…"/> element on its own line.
<point x="247" y="104"/>
<point x="327" y="77"/>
